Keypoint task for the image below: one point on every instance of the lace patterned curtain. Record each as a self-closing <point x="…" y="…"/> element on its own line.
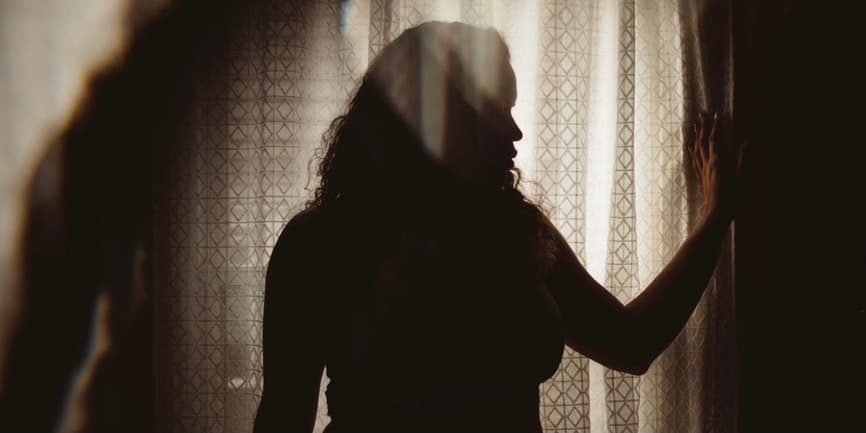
<point x="602" y="88"/>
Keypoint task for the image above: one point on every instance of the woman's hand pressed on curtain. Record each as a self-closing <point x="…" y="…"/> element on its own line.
<point x="718" y="165"/>
<point x="629" y="337"/>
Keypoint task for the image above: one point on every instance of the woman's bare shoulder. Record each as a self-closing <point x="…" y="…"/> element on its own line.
<point x="300" y="234"/>
<point x="307" y="225"/>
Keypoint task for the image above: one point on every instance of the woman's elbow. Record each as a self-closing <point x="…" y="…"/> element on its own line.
<point x="628" y="362"/>
<point x="636" y="356"/>
<point x="637" y="367"/>
<point x="624" y="357"/>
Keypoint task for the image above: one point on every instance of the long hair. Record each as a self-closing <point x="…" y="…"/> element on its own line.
<point x="377" y="148"/>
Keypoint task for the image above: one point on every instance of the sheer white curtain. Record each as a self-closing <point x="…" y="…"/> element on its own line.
<point x="601" y="97"/>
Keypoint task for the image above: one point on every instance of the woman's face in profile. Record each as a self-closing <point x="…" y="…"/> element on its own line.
<point x="479" y="138"/>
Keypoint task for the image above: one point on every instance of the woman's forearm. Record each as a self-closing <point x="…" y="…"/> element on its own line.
<point x="662" y="309"/>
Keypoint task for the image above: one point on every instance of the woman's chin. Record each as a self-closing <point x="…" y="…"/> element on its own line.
<point x="502" y="178"/>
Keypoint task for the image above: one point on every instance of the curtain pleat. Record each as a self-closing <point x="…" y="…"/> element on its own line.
<point x="604" y="88"/>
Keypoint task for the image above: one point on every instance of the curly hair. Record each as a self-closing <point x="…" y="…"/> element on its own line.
<point x="376" y="146"/>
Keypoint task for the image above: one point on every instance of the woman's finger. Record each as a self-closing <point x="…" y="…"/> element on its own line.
<point x="693" y="148"/>
<point x="698" y="135"/>
<point x="700" y="140"/>
<point x="712" y="138"/>
<point x="696" y="163"/>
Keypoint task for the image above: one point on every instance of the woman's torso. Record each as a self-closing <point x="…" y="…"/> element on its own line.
<point x="429" y="331"/>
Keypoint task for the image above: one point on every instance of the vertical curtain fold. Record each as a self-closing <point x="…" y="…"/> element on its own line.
<point x="610" y="84"/>
<point x="708" y="71"/>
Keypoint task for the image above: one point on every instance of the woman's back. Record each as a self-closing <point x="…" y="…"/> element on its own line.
<point x="425" y="328"/>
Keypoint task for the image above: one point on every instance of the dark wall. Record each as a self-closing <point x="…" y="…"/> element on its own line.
<point x="800" y="237"/>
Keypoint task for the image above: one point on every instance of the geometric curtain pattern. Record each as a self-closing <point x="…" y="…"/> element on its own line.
<point x="566" y="39"/>
<point x="243" y="170"/>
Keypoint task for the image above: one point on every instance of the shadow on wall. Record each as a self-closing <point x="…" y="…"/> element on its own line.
<point x="87" y="244"/>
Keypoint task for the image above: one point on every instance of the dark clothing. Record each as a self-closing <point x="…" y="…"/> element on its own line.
<point x="427" y="326"/>
<point x="477" y="409"/>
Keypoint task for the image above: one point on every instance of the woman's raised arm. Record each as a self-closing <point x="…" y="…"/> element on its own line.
<point x="629" y="337"/>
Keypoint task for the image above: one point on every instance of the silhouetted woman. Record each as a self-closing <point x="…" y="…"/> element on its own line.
<point x="436" y="295"/>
